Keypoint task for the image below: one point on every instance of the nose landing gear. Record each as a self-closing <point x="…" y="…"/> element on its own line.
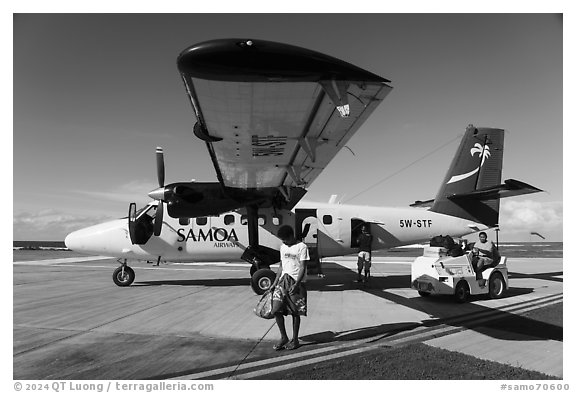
<point x="124" y="275"/>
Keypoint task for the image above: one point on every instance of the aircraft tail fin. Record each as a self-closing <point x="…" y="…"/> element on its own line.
<point x="472" y="187"/>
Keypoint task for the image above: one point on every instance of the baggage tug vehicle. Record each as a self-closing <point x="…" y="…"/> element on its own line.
<point x="437" y="273"/>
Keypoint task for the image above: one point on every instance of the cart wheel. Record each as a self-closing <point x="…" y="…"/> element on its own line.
<point x="496" y="286"/>
<point x="423" y="294"/>
<point x="462" y="292"/>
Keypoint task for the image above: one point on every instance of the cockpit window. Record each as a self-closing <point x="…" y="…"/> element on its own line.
<point x="150" y="210"/>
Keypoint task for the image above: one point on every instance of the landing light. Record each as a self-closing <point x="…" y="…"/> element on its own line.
<point x="244" y="44"/>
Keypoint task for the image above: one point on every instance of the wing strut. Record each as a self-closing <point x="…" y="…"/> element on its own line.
<point x="309" y="145"/>
<point x="338" y="92"/>
<point x="253" y="240"/>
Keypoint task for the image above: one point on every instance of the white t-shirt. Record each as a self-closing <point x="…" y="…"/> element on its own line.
<point x="486" y="249"/>
<point x="290" y="257"/>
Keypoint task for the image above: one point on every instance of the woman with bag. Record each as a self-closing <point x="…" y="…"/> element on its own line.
<point x="289" y="289"/>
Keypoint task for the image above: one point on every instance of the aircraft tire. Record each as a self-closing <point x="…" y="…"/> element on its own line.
<point x="423" y="294"/>
<point x="253" y="269"/>
<point x="261" y="280"/>
<point x="462" y="291"/>
<point x="496" y="286"/>
<point x="123" y="279"/>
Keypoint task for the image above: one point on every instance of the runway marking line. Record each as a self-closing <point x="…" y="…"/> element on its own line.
<point x="191" y="268"/>
<point x="421" y="334"/>
<point x="65" y="262"/>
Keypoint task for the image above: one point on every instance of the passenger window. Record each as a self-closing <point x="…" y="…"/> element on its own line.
<point x="277" y="220"/>
<point x="229" y="219"/>
<point x="244" y="220"/>
<point x="327" y="220"/>
<point x="201" y="220"/>
<point x="184" y="221"/>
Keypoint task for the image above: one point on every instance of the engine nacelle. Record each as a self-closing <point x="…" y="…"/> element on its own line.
<point x="195" y="199"/>
<point x="198" y="199"/>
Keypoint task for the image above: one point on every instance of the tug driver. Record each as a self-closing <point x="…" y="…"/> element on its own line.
<point x="485" y="255"/>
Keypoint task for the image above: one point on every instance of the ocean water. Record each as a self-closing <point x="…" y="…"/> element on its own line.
<point x="533" y="249"/>
<point x="38" y="245"/>
<point x="509" y="249"/>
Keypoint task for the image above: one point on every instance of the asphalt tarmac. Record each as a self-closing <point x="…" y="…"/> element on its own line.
<point x="196" y="321"/>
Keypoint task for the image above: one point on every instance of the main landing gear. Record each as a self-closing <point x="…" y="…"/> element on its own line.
<point x="261" y="279"/>
<point x="261" y="275"/>
<point x="259" y="256"/>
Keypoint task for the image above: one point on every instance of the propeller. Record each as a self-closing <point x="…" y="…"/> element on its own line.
<point x="159" y="219"/>
<point x="160" y="166"/>
<point x="162" y="193"/>
<point x="160" y="210"/>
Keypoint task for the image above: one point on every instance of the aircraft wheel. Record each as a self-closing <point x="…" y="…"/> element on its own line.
<point x="253" y="270"/>
<point x="423" y="294"/>
<point x="462" y="292"/>
<point x="262" y="279"/>
<point x="496" y="286"/>
<point x="123" y="278"/>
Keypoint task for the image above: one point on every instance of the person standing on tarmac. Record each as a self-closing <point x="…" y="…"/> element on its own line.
<point x="289" y="288"/>
<point x="364" y="254"/>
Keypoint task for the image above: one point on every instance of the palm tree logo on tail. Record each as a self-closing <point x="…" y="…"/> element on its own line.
<point x="483" y="151"/>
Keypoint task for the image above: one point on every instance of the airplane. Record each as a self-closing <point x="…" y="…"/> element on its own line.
<point x="272" y="117"/>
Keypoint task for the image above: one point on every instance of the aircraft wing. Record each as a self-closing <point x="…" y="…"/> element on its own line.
<point x="274" y="115"/>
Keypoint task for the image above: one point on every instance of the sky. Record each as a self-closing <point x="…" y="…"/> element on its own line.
<point x="94" y="94"/>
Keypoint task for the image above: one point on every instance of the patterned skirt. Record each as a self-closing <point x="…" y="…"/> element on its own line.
<point x="287" y="303"/>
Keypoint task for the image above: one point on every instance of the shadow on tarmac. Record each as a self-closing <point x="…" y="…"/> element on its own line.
<point x="510" y="327"/>
<point x="217" y="282"/>
<point x="384" y="331"/>
<point x="539" y="276"/>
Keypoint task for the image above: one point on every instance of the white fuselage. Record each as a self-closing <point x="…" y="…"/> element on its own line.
<point x="225" y="237"/>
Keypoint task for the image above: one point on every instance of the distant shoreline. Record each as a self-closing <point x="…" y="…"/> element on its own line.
<point x="38" y="243"/>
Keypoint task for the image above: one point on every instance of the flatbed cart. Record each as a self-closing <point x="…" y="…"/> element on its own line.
<point x="436" y="273"/>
